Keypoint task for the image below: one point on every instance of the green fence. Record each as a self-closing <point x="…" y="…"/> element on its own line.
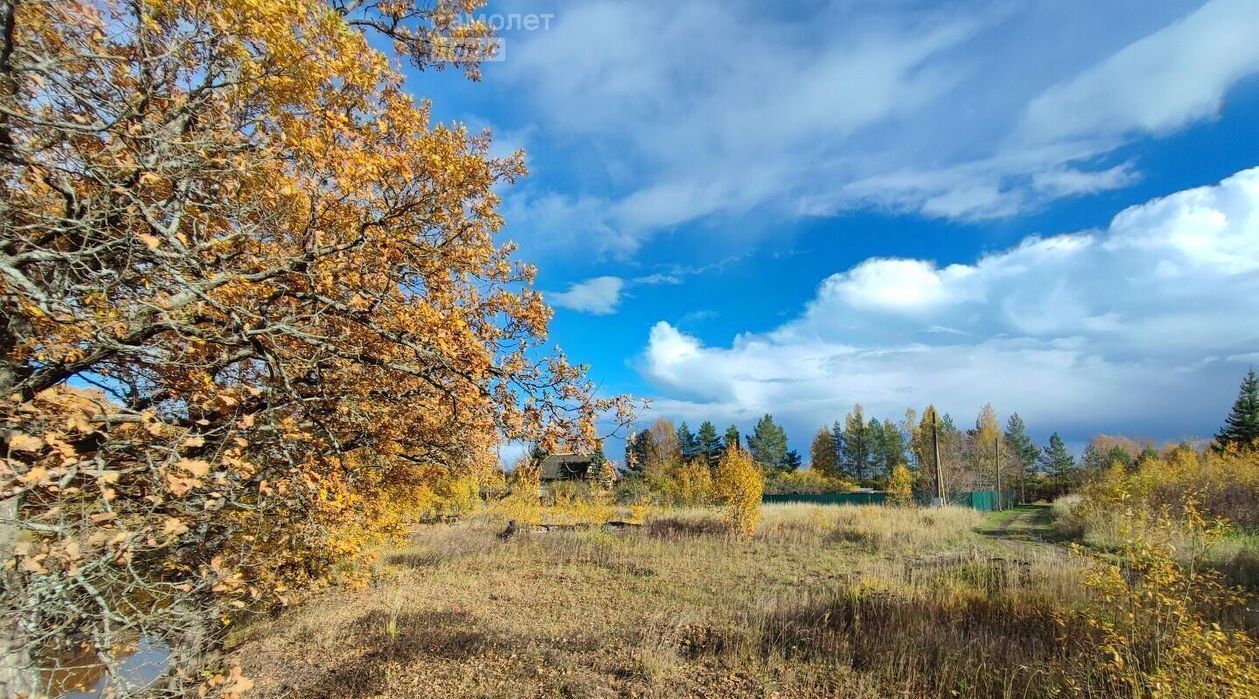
<point x="982" y="500"/>
<point x="858" y="498"/>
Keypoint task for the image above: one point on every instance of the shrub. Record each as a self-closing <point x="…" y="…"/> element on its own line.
<point x="900" y="486"/>
<point x="741" y="485"/>
<point x="1223" y="484"/>
<point x="808" y="482"/>
<point x="1158" y="613"/>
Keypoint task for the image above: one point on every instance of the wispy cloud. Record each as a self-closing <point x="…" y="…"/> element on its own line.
<point x="968" y="110"/>
<point x="603" y="295"/>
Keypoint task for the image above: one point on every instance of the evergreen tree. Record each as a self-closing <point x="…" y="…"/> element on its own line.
<point x="891" y="449"/>
<point x="768" y="443"/>
<point x="687" y="443"/>
<point x="791" y="462"/>
<point x="732" y="438"/>
<point x="1241" y="427"/>
<point x="600" y="469"/>
<point x="709" y="443"/>
<point x="597" y="458"/>
<point x="1057" y="461"/>
<point x="1024" y="449"/>
<point x="857" y="449"/>
<point x="823" y="456"/>
<point x="639" y="449"/>
<point x="874" y="433"/>
<point x="837" y="434"/>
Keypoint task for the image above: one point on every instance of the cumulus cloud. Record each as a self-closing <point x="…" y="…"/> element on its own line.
<point x="597" y="296"/>
<point x="1140" y="326"/>
<point x="973" y="109"/>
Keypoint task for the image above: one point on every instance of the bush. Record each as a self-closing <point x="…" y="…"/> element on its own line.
<point x="900" y="486"/>
<point x="808" y="482"/>
<point x="1223" y="485"/>
<point x="1159" y="614"/>
<point x="741" y="485"/>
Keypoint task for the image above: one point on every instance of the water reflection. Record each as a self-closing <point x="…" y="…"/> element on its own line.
<point x="82" y="679"/>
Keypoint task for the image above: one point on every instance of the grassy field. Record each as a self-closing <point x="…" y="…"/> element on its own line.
<point x="861" y="601"/>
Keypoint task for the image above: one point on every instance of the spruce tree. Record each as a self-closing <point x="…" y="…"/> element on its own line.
<point x="709" y="443"/>
<point x="1241" y="427"/>
<point x="791" y="461"/>
<point x="1057" y="461"/>
<point x="639" y="449"/>
<point x="874" y="433"/>
<point x="687" y="444"/>
<point x="597" y="461"/>
<point x="837" y="434"/>
<point x="732" y="438"/>
<point x="857" y="445"/>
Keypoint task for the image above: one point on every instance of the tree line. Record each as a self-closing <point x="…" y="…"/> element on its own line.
<point x="862" y="450"/>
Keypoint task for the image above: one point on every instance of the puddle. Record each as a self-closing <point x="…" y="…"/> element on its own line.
<point x="80" y="678"/>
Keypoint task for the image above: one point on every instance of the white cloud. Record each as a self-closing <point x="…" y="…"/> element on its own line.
<point x="973" y="109"/>
<point x="1080" y="333"/>
<point x="597" y="296"/>
<point x="1162" y="82"/>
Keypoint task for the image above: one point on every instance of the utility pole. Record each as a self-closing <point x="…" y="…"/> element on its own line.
<point x="935" y="444"/>
<point x="997" y="452"/>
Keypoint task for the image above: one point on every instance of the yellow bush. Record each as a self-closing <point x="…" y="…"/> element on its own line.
<point x="740" y="483"/>
<point x="577" y="503"/>
<point x="522" y="502"/>
<point x="1223" y="485"/>
<point x="693" y="485"/>
<point x="900" y="486"/>
<point x="1153" y="636"/>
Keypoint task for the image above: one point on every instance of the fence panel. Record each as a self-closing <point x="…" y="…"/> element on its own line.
<point x="982" y="500"/>
<point x="858" y="498"/>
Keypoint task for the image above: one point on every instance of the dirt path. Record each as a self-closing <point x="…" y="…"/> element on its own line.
<point x="1024" y="528"/>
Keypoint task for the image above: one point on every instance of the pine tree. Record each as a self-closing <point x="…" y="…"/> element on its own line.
<point x="732" y="439"/>
<point x="823" y="456"/>
<point x="687" y="444"/>
<point x="768" y="443"/>
<point x="1241" y="427"/>
<point x="709" y="444"/>
<point x="1057" y="461"/>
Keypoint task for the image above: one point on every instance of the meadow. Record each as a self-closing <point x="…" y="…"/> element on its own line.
<point x="855" y="601"/>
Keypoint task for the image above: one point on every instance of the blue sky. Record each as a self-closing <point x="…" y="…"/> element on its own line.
<point x="748" y="207"/>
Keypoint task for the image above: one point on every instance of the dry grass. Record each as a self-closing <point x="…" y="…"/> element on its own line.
<point x="858" y="601"/>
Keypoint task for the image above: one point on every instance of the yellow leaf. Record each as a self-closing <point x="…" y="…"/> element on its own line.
<point x="25" y="442"/>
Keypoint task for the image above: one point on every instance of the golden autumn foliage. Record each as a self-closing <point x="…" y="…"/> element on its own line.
<point x="283" y="283"/>
<point x="900" y="486"/>
<point x="740" y="484"/>
<point x="1150" y="613"/>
